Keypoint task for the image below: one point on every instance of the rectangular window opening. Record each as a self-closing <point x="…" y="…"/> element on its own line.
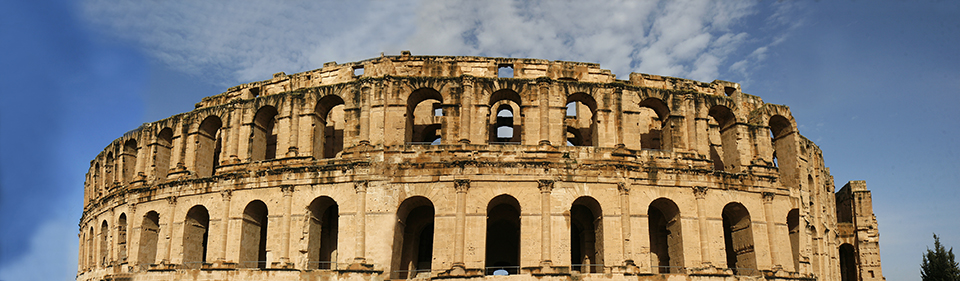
<point x="505" y="71"/>
<point x="358" y="70"/>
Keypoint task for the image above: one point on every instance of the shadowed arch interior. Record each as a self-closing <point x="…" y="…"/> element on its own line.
<point x="666" y="236"/>
<point x="848" y="262"/>
<point x="122" y="237"/>
<point x="793" y="226"/>
<point x="723" y="138"/>
<point x="149" y="237"/>
<point x="503" y="235"/>
<point x="209" y="143"/>
<point x="253" y="235"/>
<point x="413" y="238"/>
<point x="263" y="141"/>
<point x="129" y="158"/>
<point x="162" y="149"/>
<point x="104" y="244"/>
<point x="738" y="239"/>
<point x="586" y="235"/>
<point x="196" y="230"/>
<point x="328" y="133"/>
<point x="582" y="118"/>
<point x="423" y="110"/>
<point x="323" y="216"/>
<point x="652" y="118"/>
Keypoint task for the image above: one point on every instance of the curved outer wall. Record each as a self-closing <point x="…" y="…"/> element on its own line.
<point x="434" y="167"/>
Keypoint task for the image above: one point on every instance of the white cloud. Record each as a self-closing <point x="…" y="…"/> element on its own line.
<point x="249" y="40"/>
<point x="52" y="254"/>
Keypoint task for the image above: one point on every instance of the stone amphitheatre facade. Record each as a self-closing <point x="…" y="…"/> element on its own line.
<point x="427" y="167"/>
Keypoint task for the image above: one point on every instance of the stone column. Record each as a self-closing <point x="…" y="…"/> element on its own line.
<point x="461" y="187"/>
<point x="466" y="112"/>
<point x="226" y="196"/>
<point x="293" y="145"/>
<point x="700" y="192"/>
<point x="544" y="115"/>
<point x="172" y="202"/>
<point x="359" y="255"/>
<point x="624" y="189"/>
<point x="285" y="227"/>
<point x="546" y="188"/>
<point x="365" y="97"/>
<point x="768" y="197"/>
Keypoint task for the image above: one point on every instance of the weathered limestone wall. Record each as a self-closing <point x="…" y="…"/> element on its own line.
<point x="398" y="160"/>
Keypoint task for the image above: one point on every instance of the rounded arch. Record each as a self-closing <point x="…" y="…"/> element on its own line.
<point x="848" y="262"/>
<point x="323" y="216"/>
<point x="505" y="94"/>
<point x="413" y="238"/>
<point x="149" y="237"/>
<point x="504" y="120"/>
<point x="738" y="239"/>
<point x="161" y="160"/>
<point x="666" y="236"/>
<point x="586" y="235"/>
<point x="793" y="227"/>
<point x="104" y="243"/>
<point x="129" y="156"/>
<point x="253" y="235"/>
<point x="583" y="121"/>
<point x="330" y="124"/>
<point x="723" y="115"/>
<point x="652" y="118"/>
<point x="503" y="235"/>
<point x="780" y="126"/>
<point x="122" y="237"/>
<point x="423" y="105"/>
<point x="196" y="230"/>
<point x="263" y="139"/>
<point x="658" y="106"/>
<point x="209" y="143"/>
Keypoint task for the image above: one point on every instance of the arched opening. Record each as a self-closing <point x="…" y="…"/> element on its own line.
<point x="424" y="115"/>
<point x="793" y="225"/>
<point x="91" y="260"/>
<point x="97" y="182"/>
<point x="104" y="244"/>
<point x="723" y="138"/>
<point x="651" y="121"/>
<point x="666" y="237"/>
<point x="506" y="125"/>
<point x="581" y="120"/>
<point x="263" y="141"/>
<point x="323" y="217"/>
<point x="328" y="134"/>
<point x="209" y="143"/>
<point x="196" y="228"/>
<point x="586" y="236"/>
<point x="129" y="157"/>
<point x="108" y="176"/>
<point x="414" y="235"/>
<point x="848" y="263"/>
<point x="738" y="240"/>
<point x="253" y="236"/>
<point x="161" y="161"/>
<point x="122" y="238"/>
<point x="503" y="236"/>
<point x="149" y="234"/>
<point x="779" y="128"/>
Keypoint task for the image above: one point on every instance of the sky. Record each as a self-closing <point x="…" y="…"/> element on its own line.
<point x="876" y="84"/>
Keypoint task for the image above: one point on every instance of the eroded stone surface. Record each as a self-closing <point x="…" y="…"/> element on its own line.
<point x="422" y="167"/>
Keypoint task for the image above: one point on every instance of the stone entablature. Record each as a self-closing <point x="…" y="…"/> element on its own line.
<point x="434" y="167"/>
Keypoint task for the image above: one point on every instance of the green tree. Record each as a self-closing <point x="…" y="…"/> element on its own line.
<point x="939" y="264"/>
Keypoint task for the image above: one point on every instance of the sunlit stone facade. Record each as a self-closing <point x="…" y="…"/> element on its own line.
<point x="424" y="167"/>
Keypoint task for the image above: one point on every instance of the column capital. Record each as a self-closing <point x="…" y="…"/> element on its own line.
<point x="546" y="186"/>
<point x="226" y="194"/>
<point x="700" y="191"/>
<point x="624" y="188"/>
<point x="360" y="186"/>
<point x="287" y="189"/>
<point x="461" y="185"/>
<point x="768" y="197"/>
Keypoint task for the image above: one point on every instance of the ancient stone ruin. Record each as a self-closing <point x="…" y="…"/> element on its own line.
<point x="427" y="167"/>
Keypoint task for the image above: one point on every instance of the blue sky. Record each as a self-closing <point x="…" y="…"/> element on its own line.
<point x="876" y="84"/>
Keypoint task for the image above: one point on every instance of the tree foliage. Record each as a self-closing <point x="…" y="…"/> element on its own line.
<point x="939" y="264"/>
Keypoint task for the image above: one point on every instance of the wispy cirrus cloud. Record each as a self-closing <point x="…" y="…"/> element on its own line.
<point x="249" y="40"/>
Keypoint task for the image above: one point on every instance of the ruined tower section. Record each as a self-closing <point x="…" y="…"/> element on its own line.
<point x="859" y="234"/>
<point x="427" y="167"/>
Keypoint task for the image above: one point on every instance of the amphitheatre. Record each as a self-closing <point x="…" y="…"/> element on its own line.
<point x="461" y="167"/>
